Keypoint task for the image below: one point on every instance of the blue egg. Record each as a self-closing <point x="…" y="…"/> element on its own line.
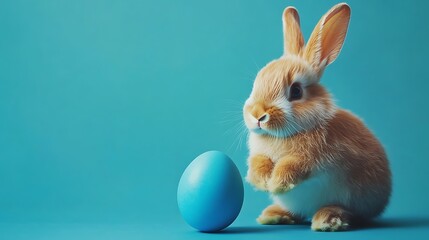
<point x="210" y="192"/>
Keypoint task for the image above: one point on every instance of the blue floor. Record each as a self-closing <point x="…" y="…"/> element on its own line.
<point x="385" y="228"/>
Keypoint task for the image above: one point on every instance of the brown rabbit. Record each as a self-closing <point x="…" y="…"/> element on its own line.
<point x="316" y="160"/>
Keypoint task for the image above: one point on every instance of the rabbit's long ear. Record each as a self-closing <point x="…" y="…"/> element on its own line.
<point x="328" y="36"/>
<point x="293" y="39"/>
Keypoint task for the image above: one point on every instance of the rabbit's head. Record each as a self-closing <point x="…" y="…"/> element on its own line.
<point x="286" y="97"/>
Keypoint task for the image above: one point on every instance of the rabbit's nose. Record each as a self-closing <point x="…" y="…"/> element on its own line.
<point x="264" y="118"/>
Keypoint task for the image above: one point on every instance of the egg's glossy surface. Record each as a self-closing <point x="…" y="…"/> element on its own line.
<point x="210" y="192"/>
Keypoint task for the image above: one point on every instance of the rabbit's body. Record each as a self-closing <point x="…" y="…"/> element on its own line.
<point x="350" y="168"/>
<point x="315" y="160"/>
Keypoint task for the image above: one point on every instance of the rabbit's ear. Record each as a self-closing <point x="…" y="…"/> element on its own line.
<point x="293" y="39"/>
<point x="328" y="37"/>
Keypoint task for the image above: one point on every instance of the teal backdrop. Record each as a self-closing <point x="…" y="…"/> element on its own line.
<point x="103" y="104"/>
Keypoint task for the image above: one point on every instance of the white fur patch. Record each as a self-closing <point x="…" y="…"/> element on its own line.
<point x="272" y="149"/>
<point x="321" y="189"/>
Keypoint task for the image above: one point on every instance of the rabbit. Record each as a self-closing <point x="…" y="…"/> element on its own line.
<point x="315" y="160"/>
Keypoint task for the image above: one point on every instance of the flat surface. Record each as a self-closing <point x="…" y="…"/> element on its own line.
<point x="386" y="228"/>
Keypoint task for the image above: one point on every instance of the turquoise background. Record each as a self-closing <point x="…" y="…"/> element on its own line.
<point x="103" y="104"/>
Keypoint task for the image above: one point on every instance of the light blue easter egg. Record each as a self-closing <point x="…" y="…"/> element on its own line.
<point x="210" y="192"/>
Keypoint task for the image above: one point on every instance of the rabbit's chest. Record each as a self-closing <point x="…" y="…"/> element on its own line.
<point x="272" y="148"/>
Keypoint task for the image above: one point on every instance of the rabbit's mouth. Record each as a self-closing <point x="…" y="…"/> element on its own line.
<point x="282" y="132"/>
<point x="262" y="130"/>
<point x="258" y="130"/>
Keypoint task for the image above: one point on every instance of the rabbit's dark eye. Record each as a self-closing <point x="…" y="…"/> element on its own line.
<point x="295" y="92"/>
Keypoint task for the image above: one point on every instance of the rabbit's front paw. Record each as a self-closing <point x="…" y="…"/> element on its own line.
<point x="284" y="177"/>
<point x="259" y="172"/>
<point x="278" y="185"/>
